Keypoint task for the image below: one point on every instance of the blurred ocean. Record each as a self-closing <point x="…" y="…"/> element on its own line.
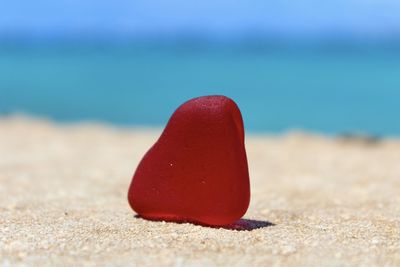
<point x="333" y="88"/>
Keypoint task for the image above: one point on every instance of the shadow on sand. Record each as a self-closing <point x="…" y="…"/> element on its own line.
<point x="248" y="225"/>
<point x="240" y="225"/>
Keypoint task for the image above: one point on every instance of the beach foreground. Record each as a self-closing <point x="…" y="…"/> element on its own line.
<point x="316" y="201"/>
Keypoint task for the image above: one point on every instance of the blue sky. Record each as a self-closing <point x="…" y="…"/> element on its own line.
<point x="218" y="17"/>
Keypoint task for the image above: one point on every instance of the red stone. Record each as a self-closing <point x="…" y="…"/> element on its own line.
<point x="197" y="170"/>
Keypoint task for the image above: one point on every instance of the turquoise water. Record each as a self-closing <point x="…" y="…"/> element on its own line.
<point x="324" y="89"/>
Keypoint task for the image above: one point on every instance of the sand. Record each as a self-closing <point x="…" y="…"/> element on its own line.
<point x="316" y="201"/>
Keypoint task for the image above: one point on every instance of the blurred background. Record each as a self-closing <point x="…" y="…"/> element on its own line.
<point x="325" y="66"/>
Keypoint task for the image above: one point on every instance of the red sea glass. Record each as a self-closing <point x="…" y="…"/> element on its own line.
<point x="197" y="170"/>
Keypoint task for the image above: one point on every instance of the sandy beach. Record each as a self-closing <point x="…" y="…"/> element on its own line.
<point x="316" y="201"/>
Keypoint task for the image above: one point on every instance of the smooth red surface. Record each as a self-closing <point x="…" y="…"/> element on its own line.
<point x="197" y="170"/>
